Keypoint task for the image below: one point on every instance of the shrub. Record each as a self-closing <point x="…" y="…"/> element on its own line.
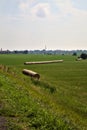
<point x="74" y="54"/>
<point x="83" y="56"/>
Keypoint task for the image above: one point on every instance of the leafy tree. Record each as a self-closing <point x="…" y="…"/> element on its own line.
<point x="83" y="56"/>
<point x="74" y="54"/>
<point x="25" y="52"/>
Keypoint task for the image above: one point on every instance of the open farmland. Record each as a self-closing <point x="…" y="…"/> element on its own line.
<point x="58" y="101"/>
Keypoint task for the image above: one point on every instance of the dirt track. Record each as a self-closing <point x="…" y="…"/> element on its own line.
<point x="3" y="123"/>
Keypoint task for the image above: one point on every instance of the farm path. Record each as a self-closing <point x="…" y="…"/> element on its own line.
<point x="3" y="123"/>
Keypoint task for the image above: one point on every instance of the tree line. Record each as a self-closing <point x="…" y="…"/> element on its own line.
<point x="82" y="53"/>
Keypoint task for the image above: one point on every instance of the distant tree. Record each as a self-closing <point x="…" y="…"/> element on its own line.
<point x="74" y="54"/>
<point x="25" y="51"/>
<point x="15" y="51"/>
<point x="83" y="56"/>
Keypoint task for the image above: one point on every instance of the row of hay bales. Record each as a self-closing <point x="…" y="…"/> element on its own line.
<point x="33" y="74"/>
<point x="43" y="62"/>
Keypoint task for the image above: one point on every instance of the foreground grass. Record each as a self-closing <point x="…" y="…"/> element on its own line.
<point x="22" y="110"/>
<point x="57" y="101"/>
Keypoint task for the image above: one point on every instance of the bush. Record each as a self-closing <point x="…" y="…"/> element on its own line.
<point x="83" y="56"/>
<point x="74" y="54"/>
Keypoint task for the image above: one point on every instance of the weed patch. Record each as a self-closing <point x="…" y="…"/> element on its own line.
<point x="44" y="85"/>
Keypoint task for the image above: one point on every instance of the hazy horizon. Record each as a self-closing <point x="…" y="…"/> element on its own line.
<point x="34" y="24"/>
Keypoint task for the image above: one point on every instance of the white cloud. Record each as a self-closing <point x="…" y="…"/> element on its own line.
<point x="34" y="9"/>
<point x="66" y="7"/>
<point x="23" y="6"/>
<point x="41" y="10"/>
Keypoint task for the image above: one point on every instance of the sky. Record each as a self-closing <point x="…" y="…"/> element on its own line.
<point x="40" y="24"/>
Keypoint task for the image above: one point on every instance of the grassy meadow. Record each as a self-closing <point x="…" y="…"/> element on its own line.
<point x="58" y="101"/>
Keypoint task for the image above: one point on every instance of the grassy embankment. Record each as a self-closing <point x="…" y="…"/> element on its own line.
<point x="57" y="101"/>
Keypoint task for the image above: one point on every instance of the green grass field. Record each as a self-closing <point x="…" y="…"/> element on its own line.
<point x="57" y="102"/>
